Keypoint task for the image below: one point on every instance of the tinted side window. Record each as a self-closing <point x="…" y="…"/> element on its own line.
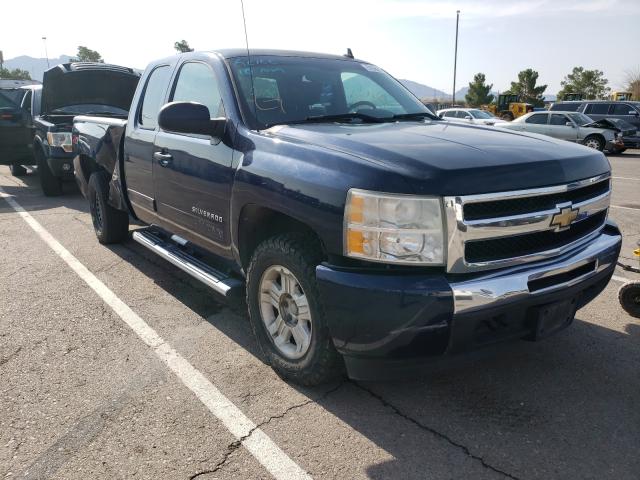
<point x="450" y="113"/>
<point x="154" y="97"/>
<point x="537" y="119"/>
<point x="197" y="83"/>
<point x="597" y="108"/>
<point x="558" y="119"/>
<point x="621" y="109"/>
<point x="462" y="114"/>
<point x="566" y="107"/>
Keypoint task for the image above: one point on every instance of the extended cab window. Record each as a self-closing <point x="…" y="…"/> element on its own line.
<point x="537" y="119"/>
<point x="197" y="83"/>
<point x="154" y="97"/>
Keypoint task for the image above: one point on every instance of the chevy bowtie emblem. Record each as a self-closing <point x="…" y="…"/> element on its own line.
<point x="564" y="217"/>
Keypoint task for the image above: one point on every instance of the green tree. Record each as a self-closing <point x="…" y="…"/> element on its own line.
<point x="87" y="55"/>
<point x="478" y="93"/>
<point x="590" y="83"/>
<point x="15" y="74"/>
<point x="527" y="87"/>
<point x="182" y="46"/>
<point x="633" y="82"/>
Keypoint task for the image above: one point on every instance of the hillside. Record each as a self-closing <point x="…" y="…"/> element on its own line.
<point x="35" y="66"/>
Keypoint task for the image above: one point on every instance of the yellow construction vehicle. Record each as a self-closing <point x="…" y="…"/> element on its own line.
<point x="621" y="96"/>
<point x="508" y="107"/>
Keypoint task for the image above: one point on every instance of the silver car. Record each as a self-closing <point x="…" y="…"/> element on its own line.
<point x="469" y="115"/>
<point x="571" y="126"/>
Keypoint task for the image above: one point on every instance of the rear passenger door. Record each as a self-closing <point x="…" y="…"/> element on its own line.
<point x="560" y="126"/>
<point x="192" y="174"/>
<point x="139" y="144"/>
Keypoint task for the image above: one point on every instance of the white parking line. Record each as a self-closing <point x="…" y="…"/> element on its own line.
<point x="270" y="456"/>
<point x="626" y="178"/>
<point x="624" y="208"/>
<point x="620" y="279"/>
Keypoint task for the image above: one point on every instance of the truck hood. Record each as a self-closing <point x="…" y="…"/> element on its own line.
<point x="88" y="84"/>
<point x="442" y="158"/>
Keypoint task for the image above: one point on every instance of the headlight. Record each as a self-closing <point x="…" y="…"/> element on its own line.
<point x="62" y="139"/>
<point x="390" y="228"/>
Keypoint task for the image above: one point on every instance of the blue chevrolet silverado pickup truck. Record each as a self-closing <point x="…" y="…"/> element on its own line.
<point x="365" y="232"/>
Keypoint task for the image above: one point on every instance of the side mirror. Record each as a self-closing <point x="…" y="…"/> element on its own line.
<point x="633" y="112"/>
<point x="569" y="124"/>
<point x="468" y="117"/>
<point x="191" y="118"/>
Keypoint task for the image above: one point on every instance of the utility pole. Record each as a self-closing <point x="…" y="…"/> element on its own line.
<point x="46" y="53"/>
<point x="455" y="57"/>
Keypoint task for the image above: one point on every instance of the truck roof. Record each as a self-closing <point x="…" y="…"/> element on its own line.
<point x="242" y="52"/>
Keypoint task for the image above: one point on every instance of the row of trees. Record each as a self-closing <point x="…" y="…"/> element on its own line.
<point x="590" y="83"/>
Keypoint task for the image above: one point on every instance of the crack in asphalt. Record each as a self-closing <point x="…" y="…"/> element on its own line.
<point x="6" y="359"/>
<point x="233" y="446"/>
<point x="434" y="432"/>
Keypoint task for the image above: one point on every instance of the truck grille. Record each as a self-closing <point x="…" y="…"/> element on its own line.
<point x="510" y="228"/>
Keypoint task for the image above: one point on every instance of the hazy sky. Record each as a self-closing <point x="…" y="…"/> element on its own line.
<point x="409" y="38"/>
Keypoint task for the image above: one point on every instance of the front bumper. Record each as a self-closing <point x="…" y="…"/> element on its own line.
<point x="61" y="163"/>
<point x="386" y="323"/>
<point x="631" y="141"/>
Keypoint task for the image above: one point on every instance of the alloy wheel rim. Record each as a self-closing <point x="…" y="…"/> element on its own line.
<point x="98" y="214"/>
<point x="284" y="309"/>
<point x="593" y="144"/>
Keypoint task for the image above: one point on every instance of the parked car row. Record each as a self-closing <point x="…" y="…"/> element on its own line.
<point x="36" y="121"/>
<point x="611" y="126"/>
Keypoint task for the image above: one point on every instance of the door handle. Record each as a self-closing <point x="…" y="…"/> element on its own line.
<point x="164" y="159"/>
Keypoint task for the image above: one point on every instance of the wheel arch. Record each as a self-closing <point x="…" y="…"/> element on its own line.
<point x="257" y="223"/>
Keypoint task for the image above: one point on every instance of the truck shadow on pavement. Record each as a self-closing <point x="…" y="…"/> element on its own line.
<point x="29" y="194"/>
<point x="566" y="407"/>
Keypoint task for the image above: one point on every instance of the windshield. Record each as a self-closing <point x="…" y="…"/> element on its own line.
<point x="480" y="114"/>
<point x="89" y="109"/>
<point x="298" y="89"/>
<point x="580" y="118"/>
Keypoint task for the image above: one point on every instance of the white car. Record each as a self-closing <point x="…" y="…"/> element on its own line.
<point x="469" y="115"/>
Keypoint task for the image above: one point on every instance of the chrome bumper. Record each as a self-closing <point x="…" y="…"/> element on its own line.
<point x="516" y="283"/>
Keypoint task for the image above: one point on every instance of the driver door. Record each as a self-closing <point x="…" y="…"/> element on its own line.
<point x="560" y="126"/>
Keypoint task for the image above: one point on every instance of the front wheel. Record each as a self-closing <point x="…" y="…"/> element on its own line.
<point x="51" y="185"/>
<point x="629" y="297"/>
<point x="594" y="141"/>
<point x="285" y="310"/>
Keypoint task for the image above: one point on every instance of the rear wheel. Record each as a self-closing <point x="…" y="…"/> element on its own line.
<point x="110" y="224"/>
<point x="594" y="141"/>
<point x="18" y="170"/>
<point x="51" y="185"/>
<point x="285" y="310"/>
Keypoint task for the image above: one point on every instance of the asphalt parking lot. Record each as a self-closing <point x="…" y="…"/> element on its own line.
<point x="87" y="391"/>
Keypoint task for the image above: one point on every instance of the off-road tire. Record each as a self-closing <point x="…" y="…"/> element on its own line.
<point x="18" y="170"/>
<point x="51" y="185"/>
<point x="300" y="254"/>
<point x="595" y="138"/>
<point x="110" y="224"/>
<point x="629" y="297"/>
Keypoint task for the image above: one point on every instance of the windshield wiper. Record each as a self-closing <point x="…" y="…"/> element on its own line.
<point x="341" y="117"/>
<point x="415" y="116"/>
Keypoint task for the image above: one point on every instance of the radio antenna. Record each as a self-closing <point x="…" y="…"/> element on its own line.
<point x="246" y="42"/>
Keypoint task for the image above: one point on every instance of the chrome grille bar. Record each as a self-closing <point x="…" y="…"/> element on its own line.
<point x="461" y="230"/>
